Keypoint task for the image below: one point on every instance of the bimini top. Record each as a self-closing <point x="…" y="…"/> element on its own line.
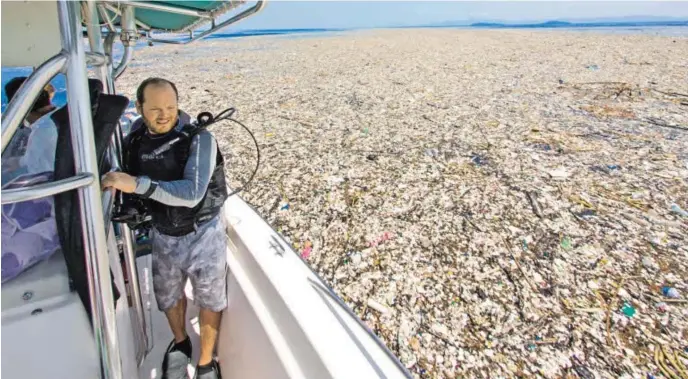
<point x="30" y="29"/>
<point x="170" y="16"/>
<point x="178" y="16"/>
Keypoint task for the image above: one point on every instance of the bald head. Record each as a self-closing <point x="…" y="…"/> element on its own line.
<point x="156" y="101"/>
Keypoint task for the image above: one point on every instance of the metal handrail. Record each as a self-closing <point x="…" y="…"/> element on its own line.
<point x="108" y="200"/>
<point x="96" y="45"/>
<point x="128" y="36"/>
<point x="23" y="100"/>
<point x="37" y="191"/>
<point x="90" y="207"/>
<point x="103" y="14"/>
<point x="254" y="9"/>
<point x="126" y="58"/>
<point x="96" y="59"/>
<point x="108" y="44"/>
<point x="95" y="41"/>
<point x="133" y="275"/>
<point x="116" y="11"/>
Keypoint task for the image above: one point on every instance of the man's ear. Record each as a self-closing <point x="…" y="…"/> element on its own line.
<point x="139" y="109"/>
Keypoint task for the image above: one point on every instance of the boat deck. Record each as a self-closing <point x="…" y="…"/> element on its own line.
<point x="162" y="335"/>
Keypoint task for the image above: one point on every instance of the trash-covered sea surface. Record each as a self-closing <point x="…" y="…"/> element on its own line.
<point x="491" y="203"/>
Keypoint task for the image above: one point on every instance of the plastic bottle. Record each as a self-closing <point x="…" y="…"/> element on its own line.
<point x="670" y="292"/>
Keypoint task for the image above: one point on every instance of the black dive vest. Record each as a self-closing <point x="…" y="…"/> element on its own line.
<point x="169" y="166"/>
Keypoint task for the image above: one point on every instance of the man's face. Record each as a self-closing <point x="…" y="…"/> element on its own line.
<point x="159" y="108"/>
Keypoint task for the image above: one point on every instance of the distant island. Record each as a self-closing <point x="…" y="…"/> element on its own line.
<point x="565" y="24"/>
<point x="632" y="22"/>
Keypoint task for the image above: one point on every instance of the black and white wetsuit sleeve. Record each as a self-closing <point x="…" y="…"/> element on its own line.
<point x="189" y="191"/>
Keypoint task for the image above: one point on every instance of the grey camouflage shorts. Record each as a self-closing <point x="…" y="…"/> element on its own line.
<point x="199" y="256"/>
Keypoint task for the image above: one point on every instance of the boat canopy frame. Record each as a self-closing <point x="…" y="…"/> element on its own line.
<point x="175" y="17"/>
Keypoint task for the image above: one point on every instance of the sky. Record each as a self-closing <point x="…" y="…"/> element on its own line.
<point x="282" y="14"/>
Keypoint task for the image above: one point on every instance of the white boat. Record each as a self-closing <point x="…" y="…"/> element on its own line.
<point x="283" y="321"/>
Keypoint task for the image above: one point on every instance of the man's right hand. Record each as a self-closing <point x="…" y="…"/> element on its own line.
<point x="119" y="181"/>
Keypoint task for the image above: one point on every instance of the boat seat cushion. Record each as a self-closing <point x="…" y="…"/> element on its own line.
<point x="29" y="232"/>
<point x="45" y="280"/>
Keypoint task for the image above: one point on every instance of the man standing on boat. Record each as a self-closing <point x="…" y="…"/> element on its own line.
<point x="184" y="187"/>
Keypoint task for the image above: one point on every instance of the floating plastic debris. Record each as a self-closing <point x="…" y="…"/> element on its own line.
<point x="566" y="243"/>
<point x="350" y="160"/>
<point x="543" y="146"/>
<point x="678" y="210"/>
<point x="628" y="310"/>
<point x="670" y="292"/>
<point x="377" y="306"/>
<point x="432" y="153"/>
<point x="479" y="160"/>
<point x="662" y="307"/>
<point x="306" y="252"/>
<point x="649" y="263"/>
<point x="386" y="236"/>
<point x="581" y="370"/>
<point x="560" y="173"/>
<point x="586" y="214"/>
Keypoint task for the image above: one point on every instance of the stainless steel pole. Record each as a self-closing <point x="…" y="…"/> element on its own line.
<point x="83" y="143"/>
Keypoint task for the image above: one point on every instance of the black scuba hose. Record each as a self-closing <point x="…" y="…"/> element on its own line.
<point x="206" y="119"/>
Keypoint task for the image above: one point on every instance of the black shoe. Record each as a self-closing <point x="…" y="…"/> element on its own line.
<point x="213" y="373"/>
<point x="175" y="362"/>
